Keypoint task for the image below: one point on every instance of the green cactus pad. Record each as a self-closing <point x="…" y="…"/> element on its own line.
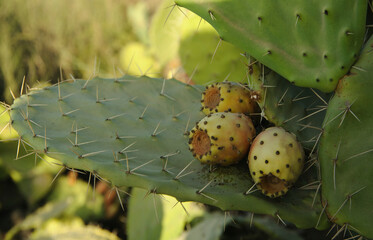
<point x="298" y="110"/>
<point x="310" y="43"/>
<point x="346" y="149"/>
<point x="132" y="132"/>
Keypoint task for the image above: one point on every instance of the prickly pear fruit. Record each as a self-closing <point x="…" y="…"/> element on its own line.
<point x="227" y="97"/>
<point x="221" y="138"/>
<point x="276" y="160"/>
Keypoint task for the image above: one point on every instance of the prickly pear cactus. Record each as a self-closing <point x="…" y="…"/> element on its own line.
<point x="132" y="132"/>
<point x="276" y="161"/>
<point x="346" y="149"/>
<point x="310" y="43"/>
<point x="227" y="97"/>
<point x="222" y="138"/>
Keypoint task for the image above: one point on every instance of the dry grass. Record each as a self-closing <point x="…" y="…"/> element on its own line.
<point x="38" y="37"/>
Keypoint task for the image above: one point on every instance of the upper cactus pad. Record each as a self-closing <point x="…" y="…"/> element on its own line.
<point x="310" y="43"/>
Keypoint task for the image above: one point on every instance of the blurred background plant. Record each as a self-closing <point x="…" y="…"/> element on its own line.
<point x="39" y="37"/>
<point x="45" y="41"/>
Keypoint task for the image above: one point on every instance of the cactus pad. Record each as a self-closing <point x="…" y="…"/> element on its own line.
<point x="310" y="43"/>
<point x="131" y="132"/>
<point x="298" y="110"/>
<point x="346" y="149"/>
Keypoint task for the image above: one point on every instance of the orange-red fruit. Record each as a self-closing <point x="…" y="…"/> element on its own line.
<point x="221" y="138"/>
<point x="276" y="160"/>
<point x="227" y="97"/>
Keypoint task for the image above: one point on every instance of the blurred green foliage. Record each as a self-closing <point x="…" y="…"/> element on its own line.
<point x="152" y="216"/>
<point x="85" y="203"/>
<point x="39" y="37"/>
<point x="72" y="229"/>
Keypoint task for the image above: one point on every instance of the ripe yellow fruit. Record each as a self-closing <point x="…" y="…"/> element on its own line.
<point x="276" y="160"/>
<point x="221" y="138"/>
<point x="227" y="97"/>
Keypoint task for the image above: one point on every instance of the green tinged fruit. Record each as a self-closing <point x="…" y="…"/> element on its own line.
<point x="227" y="97"/>
<point x="276" y="160"/>
<point x="221" y="138"/>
